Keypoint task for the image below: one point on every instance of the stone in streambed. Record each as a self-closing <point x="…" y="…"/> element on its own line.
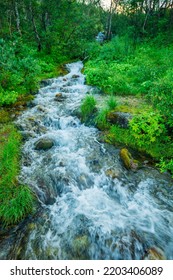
<point x="112" y="173"/>
<point x="154" y="254"/>
<point x="44" y="144"/>
<point x="129" y="162"/>
<point x="59" y="97"/>
<point x="75" y="76"/>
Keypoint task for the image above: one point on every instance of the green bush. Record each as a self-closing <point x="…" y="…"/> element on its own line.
<point x="161" y="96"/>
<point x="147" y="128"/>
<point x="8" y="97"/>
<point x="166" y="165"/>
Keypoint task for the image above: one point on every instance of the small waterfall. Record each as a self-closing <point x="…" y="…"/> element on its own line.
<point x="85" y="213"/>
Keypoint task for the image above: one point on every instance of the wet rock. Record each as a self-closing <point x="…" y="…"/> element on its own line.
<point x="127" y="159"/>
<point x="45" y="83"/>
<point x="64" y="79"/>
<point x="26" y="135"/>
<point x="112" y="173"/>
<point x="119" y="118"/>
<point x="30" y="104"/>
<point x="59" y="97"/>
<point x="154" y="254"/>
<point x="80" y="247"/>
<point x="75" y="76"/>
<point x="44" y="144"/>
<point x="41" y="108"/>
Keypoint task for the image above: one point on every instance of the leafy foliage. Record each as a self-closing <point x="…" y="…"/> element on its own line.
<point x="147" y="128"/>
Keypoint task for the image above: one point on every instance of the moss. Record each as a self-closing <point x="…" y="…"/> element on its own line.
<point x="4" y="116"/>
<point x="128" y="160"/>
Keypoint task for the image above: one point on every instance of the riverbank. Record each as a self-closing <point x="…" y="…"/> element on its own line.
<point x="140" y="82"/>
<point x="16" y="201"/>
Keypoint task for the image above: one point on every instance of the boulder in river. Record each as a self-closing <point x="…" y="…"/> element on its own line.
<point x="59" y="97"/>
<point x="44" y="144"/>
<point x="129" y="162"/>
<point x="120" y="118"/>
<point x="75" y="76"/>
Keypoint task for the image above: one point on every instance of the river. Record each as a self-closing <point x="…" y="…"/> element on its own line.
<point x="91" y="207"/>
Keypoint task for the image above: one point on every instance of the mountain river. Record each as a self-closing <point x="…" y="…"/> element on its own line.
<point x="91" y="207"/>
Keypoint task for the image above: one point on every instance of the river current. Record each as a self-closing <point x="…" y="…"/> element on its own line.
<point x="91" y="207"/>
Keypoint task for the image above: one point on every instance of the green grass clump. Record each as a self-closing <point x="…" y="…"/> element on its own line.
<point x="101" y="119"/>
<point x="16" y="201"/>
<point x="88" y="107"/>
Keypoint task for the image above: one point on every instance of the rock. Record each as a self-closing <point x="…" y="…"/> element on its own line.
<point x="154" y="254"/>
<point x="127" y="159"/>
<point x="119" y="118"/>
<point x="112" y="173"/>
<point x="26" y="135"/>
<point x="64" y="79"/>
<point x="45" y="83"/>
<point x="44" y="144"/>
<point x="59" y="97"/>
<point x="80" y="247"/>
<point x="41" y="109"/>
<point x="75" y="76"/>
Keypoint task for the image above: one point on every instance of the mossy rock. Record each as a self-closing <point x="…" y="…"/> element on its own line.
<point x="80" y="246"/>
<point x="44" y="144"/>
<point x="127" y="159"/>
<point x="120" y="118"/>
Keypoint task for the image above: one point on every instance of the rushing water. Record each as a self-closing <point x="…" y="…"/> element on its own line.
<point x="90" y="206"/>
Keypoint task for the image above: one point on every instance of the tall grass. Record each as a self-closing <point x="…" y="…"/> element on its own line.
<point x="88" y="107"/>
<point x="16" y="201"/>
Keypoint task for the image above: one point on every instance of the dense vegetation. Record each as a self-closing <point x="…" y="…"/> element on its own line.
<point x="136" y="59"/>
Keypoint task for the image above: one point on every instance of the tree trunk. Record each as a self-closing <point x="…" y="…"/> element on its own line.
<point x="17" y="17"/>
<point x="39" y="46"/>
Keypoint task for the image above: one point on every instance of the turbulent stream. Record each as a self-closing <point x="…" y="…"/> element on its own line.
<point x="91" y="207"/>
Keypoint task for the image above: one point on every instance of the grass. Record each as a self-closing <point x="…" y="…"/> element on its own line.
<point x="16" y="201"/>
<point x="88" y="107"/>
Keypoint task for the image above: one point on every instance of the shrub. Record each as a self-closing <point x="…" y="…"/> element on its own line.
<point x="166" y="165"/>
<point x="146" y="128"/>
<point x="161" y="96"/>
<point x="8" y="97"/>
